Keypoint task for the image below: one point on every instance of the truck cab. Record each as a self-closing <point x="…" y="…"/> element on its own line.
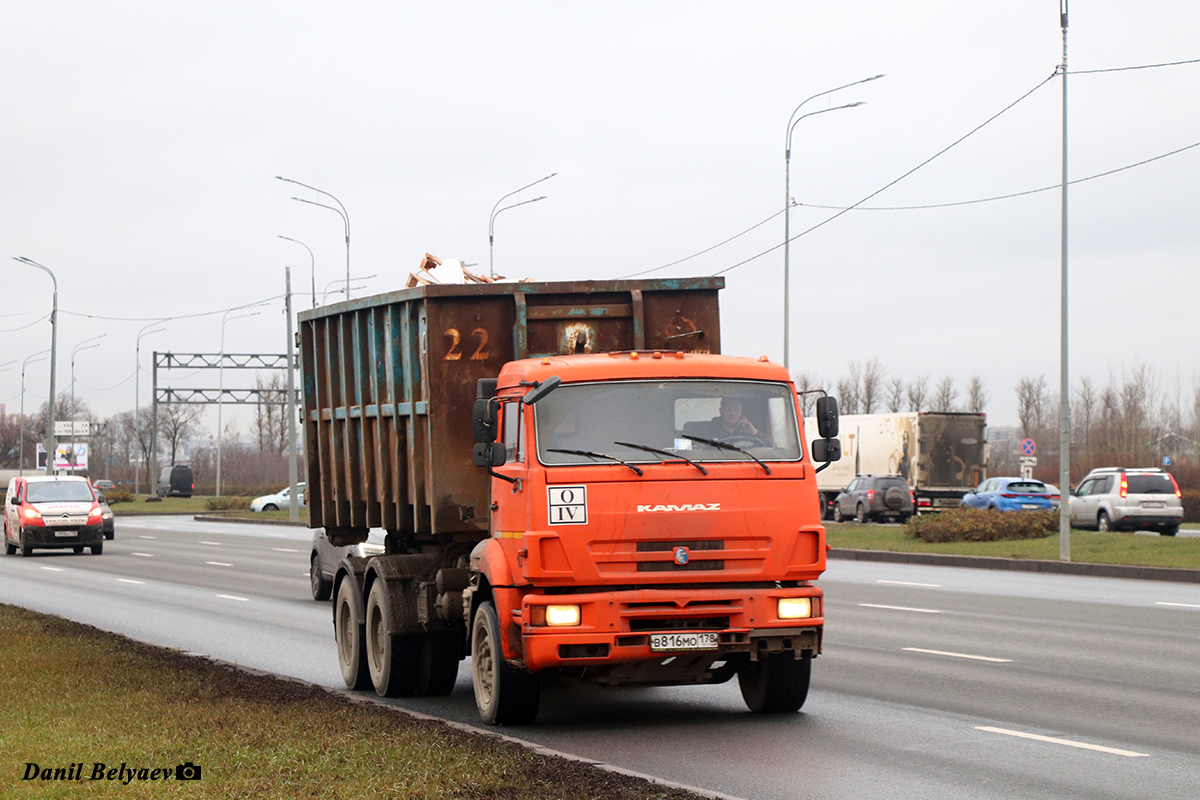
<point x="654" y="520"/>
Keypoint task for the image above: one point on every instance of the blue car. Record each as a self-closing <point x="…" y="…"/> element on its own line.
<point x="1010" y="494"/>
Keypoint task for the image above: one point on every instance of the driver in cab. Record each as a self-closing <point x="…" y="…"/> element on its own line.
<point x="729" y="423"/>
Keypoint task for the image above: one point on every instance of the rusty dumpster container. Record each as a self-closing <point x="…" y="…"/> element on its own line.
<point x="389" y="383"/>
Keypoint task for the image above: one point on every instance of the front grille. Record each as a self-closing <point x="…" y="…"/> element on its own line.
<point x="660" y="547"/>
<point x="694" y="624"/>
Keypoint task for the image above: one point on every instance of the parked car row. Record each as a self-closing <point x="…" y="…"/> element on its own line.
<point x="1107" y="499"/>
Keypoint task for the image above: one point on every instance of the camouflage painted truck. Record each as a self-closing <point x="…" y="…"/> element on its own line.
<point x="562" y="498"/>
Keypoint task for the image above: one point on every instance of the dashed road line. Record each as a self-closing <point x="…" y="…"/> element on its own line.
<point x="910" y="583"/>
<point x="217" y="544"/>
<point x="130" y="580"/>
<point x="901" y="608"/>
<point x="54" y="569"/>
<point x="957" y="655"/>
<point x="234" y="597"/>
<point x="143" y="555"/>
<point x="218" y="563"/>
<point x="285" y="550"/>
<point x="145" y="537"/>
<point x="1179" y="605"/>
<point x="1054" y="740"/>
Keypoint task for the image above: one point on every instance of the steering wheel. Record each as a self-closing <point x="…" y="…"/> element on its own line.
<point x="743" y="437"/>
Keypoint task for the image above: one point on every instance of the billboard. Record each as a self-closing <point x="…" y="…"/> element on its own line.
<point x="71" y="457"/>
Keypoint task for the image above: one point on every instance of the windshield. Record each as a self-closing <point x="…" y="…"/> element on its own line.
<point x="671" y="417"/>
<point x="58" y="492"/>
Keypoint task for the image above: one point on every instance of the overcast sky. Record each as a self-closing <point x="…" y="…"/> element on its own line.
<point x="139" y="143"/>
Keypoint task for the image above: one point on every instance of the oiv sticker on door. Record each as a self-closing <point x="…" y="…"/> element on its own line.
<point x="567" y="505"/>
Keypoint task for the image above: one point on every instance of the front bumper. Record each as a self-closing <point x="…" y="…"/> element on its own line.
<point x="64" y="536"/>
<point x="616" y="627"/>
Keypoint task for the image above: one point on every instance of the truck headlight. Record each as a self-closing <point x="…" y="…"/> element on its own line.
<point x="795" y="607"/>
<point x="562" y="616"/>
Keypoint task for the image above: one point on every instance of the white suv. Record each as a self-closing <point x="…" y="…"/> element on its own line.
<point x="1115" y="498"/>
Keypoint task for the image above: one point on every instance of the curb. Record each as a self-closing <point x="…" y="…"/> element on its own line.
<point x="210" y="517"/>
<point x="1174" y="574"/>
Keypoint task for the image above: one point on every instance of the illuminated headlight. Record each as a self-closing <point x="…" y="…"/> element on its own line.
<point x="32" y="513"/>
<point x="562" y="615"/>
<point x="795" y="607"/>
<point x="96" y="512"/>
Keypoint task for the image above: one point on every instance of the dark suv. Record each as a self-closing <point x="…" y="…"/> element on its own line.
<point x="874" y="497"/>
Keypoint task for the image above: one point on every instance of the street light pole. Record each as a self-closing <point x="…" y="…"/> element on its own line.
<point x="21" y="447"/>
<point x="311" y="258"/>
<point x="221" y="388"/>
<point x="51" y="443"/>
<point x="137" y="398"/>
<point x="325" y="294"/>
<point x="1064" y="385"/>
<point x="341" y="209"/>
<point x="81" y="346"/>
<point x="495" y="213"/>
<point x="787" y="201"/>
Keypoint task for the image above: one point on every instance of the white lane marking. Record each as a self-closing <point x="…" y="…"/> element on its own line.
<point x="127" y="580"/>
<point x="234" y="597"/>
<point x="143" y="555"/>
<point x="956" y="655"/>
<point x="218" y="563"/>
<point x="218" y="544"/>
<point x="910" y="583"/>
<point x="145" y="537"/>
<point x="901" y="608"/>
<point x="1179" y="605"/>
<point x="276" y="536"/>
<point x="53" y="569"/>
<point x="285" y="550"/>
<point x="1052" y="740"/>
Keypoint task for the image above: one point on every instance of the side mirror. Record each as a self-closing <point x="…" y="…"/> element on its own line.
<point x="100" y="497"/>
<point x="483" y="421"/>
<point x="827" y="419"/>
<point x="542" y="389"/>
<point x="488" y="454"/>
<point x="826" y="450"/>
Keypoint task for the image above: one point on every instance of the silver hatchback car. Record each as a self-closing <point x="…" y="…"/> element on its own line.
<point x="1116" y="498"/>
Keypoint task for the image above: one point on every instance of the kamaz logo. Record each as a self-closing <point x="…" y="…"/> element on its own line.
<point x="684" y="507"/>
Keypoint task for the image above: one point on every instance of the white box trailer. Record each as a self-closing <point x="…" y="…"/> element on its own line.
<point x="941" y="455"/>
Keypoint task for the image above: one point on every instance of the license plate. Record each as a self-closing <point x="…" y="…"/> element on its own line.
<point x="1154" y="505"/>
<point x="683" y="641"/>
<point x="1027" y="506"/>
<point x="66" y="533"/>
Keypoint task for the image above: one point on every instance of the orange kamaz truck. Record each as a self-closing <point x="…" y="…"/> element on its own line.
<point x="576" y="488"/>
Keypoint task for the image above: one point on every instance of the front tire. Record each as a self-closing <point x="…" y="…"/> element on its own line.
<point x="776" y="683"/>
<point x="348" y="631"/>
<point x="322" y="588"/>
<point x="270" y="507"/>
<point x="504" y="696"/>
<point x="98" y="548"/>
<point x="26" y="547"/>
<point x="1103" y="525"/>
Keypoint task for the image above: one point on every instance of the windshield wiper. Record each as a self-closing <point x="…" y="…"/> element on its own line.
<point x="666" y="453"/>
<point x="590" y="454"/>
<point x="727" y="446"/>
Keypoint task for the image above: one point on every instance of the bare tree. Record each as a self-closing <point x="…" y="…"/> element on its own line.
<point x="895" y="395"/>
<point x="177" y="422"/>
<point x="847" y="394"/>
<point x="806" y="382"/>
<point x="270" y="419"/>
<point x="1033" y="400"/>
<point x="976" y="395"/>
<point x="944" y="395"/>
<point x="918" y="392"/>
<point x="871" y="386"/>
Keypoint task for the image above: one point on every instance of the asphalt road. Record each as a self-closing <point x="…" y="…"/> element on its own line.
<point x="935" y="682"/>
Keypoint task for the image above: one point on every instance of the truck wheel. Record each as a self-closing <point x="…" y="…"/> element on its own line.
<point x="350" y="636"/>
<point x="837" y="513"/>
<point x="321" y="587"/>
<point x="1102" y="523"/>
<point x="776" y="683"/>
<point x="504" y="696"/>
<point x="394" y="660"/>
<point x="860" y="514"/>
<point x="439" y="663"/>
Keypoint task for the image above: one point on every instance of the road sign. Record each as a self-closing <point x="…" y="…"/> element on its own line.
<point x="1028" y="447"/>
<point x="1028" y="461"/>
<point x="1166" y="461"/>
<point x="68" y="428"/>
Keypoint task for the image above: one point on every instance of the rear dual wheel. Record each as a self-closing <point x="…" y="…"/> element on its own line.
<point x="407" y="664"/>
<point x="349" y="633"/>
